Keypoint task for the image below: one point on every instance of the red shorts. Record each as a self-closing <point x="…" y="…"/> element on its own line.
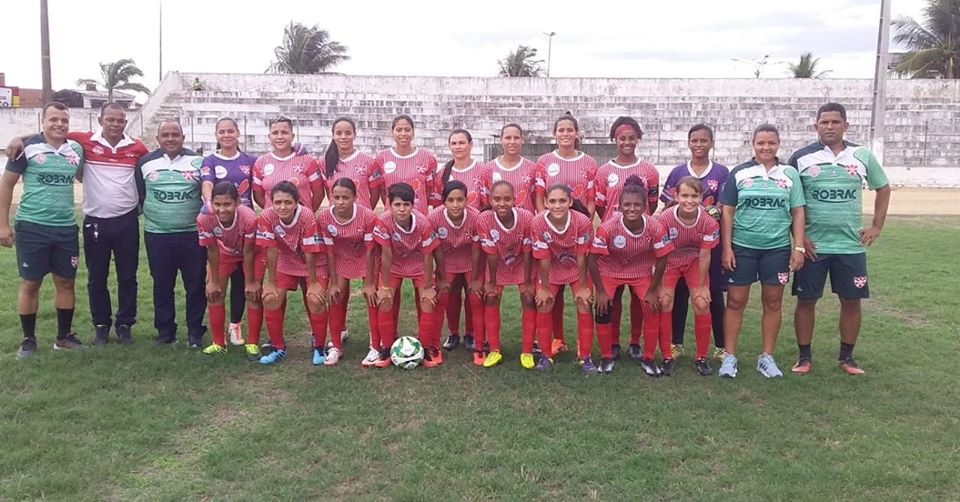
<point x="396" y="280"/>
<point x="228" y="264"/>
<point x="691" y="275"/>
<point x="638" y="286"/>
<point x="294" y="282"/>
<point x="554" y="288"/>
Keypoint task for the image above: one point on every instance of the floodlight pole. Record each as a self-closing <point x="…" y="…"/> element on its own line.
<point x="878" y="112"/>
<point x="45" y="53"/>
<point x="549" y="49"/>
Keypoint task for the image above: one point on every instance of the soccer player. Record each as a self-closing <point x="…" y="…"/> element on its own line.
<point x="111" y="225"/>
<point x="343" y="160"/>
<point x="762" y="206"/>
<point x="630" y="250"/>
<point x="288" y="231"/>
<point x="347" y="230"/>
<point x="519" y="171"/>
<point x="407" y="242"/>
<point x="168" y="183"/>
<point x="505" y="239"/>
<point x="283" y="163"/>
<point x="405" y="163"/>
<point x="228" y="163"/>
<point x="46" y="227"/>
<point x="561" y="240"/>
<point x="832" y="172"/>
<point x="567" y="166"/>
<point x="229" y="234"/>
<point x="712" y="176"/>
<point x="462" y="167"/>
<point x="693" y="234"/>
<point x="455" y="223"/>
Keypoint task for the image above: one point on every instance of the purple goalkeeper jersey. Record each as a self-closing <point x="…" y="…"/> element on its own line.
<point x="712" y="182"/>
<point x="237" y="170"/>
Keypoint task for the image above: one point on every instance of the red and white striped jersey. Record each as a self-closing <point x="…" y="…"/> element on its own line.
<point x="688" y="240"/>
<point x="522" y="176"/>
<point x="577" y="173"/>
<point x="419" y="169"/>
<point x="470" y="176"/>
<point x="510" y="244"/>
<point x="457" y="242"/>
<point x="611" y="178"/>
<point x="407" y="246"/>
<point x="230" y="239"/>
<point x="349" y="241"/>
<point x="292" y="241"/>
<point x="357" y="167"/>
<point x="561" y="245"/>
<point x="625" y="255"/>
<point x="301" y="170"/>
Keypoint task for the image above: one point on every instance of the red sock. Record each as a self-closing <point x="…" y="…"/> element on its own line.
<point x="584" y="334"/>
<point x="701" y="330"/>
<point x="636" y="320"/>
<point x="528" y="328"/>
<point x="427" y="324"/>
<point x="469" y="319"/>
<point x="318" y="325"/>
<point x="373" y="319"/>
<point x="453" y="312"/>
<point x="666" y="334"/>
<point x="491" y="327"/>
<point x="338" y="319"/>
<point x="545" y="332"/>
<point x="388" y="329"/>
<point x="476" y="317"/>
<point x="558" y="315"/>
<point x="218" y="314"/>
<point x="605" y="337"/>
<point x="441" y="310"/>
<point x="651" y="332"/>
<point x="275" y="326"/>
<point x="616" y="312"/>
<point x="254" y="324"/>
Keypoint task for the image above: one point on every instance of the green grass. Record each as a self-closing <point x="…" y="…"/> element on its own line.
<point x="170" y="424"/>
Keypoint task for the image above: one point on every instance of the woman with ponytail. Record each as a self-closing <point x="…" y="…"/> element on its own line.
<point x="519" y="171"/>
<point x="343" y="160"/>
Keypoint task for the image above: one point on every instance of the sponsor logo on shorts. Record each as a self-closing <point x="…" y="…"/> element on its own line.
<point x="389" y="167"/>
<point x="783" y="277"/>
<point x="860" y="282"/>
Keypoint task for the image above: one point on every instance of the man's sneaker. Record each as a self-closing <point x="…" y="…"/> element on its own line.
<point x="162" y="340"/>
<point x="850" y="367"/>
<point x="719" y="353"/>
<point x="587" y="366"/>
<point x="616" y="352"/>
<point x="101" y="335"/>
<point x="27" y="347"/>
<point x="253" y="352"/>
<point x="544" y="363"/>
<point x="703" y="367"/>
<point x="728" y="368"/>
<point x="494" y="358"/>
<point x="634" y="352"/>
<point x="124" y="337"/>
<point x="452" y="342"/>
<point x="606" y="365"/>
<point x="468" y="342"/>
<point x="333" y="357"/>
<point x="383" y="360"/>
<point x="215" y="349"/>
<point x="194" y="341"/>
<point x="319" y="356"/>
<point x="650" y="367"/>
<point x="676" y="350"/>
<point x="768" y="367"/>
<point x="479" y="357"/>
<point x="558" y="346"/>
<point x="273" y="357"/>
<point x="236" y="334"/>
<point x="666" y="367"/>
<point x="370" y="360"/>
<point x="803" y="366"/>
<point x="68" y="342"/>
<point x="527" y="361"/>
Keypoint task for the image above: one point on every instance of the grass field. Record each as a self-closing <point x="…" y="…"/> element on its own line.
<point x="171" y="424"/>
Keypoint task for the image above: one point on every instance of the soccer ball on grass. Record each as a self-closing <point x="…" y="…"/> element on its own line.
<point x="406" y="353"/>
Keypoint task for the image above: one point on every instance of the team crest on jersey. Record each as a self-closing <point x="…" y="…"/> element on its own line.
<point x="860" y="282"/>
<point x="282" y="232"/>
<point x="269" y="169"/>
<point x="674" y="233"/>
<point x="204" y="171"/>
<point x="497" y="177"/>
<point x="553" y="169"/>
<point x="220" y="172"/>
<point x="852" y="170"/>
<point x="781" y="183"/>
<point x="396" y="236"/>
<point x="495" y="235"/>
<point x="40" y="158"/>
<point x="619" y="242"/>
<point x="747" y="183"/>
<point x="73" y="159"/>
<point x="217" y="231"/>
<point x="442" y="232"/>
<point x="389" y="167"/>
<point x="783" y="277"/>
<point x="245" y="169"/>
<point x="189" y="175"/>
<point x="332" y="229"/>
<point x="98" y="150"/>
<point x="814" y="171"/>
<point x="613" y="179"/>
<point x="547" y="237"/>
<point x="74" y="261"/>
<point x="421" y="169"/>
<point x="713" y="185"/>
<point x="153" y="176"/>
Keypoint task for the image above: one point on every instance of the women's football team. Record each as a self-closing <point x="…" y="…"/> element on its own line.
<point x="464" y="231"/>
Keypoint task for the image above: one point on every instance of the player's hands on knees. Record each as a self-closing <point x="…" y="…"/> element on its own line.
<point x="370" y="295"/>
<point x="652" y="299"/>
<point x="385" y="295"/>
<point x="543" y="298"/>
<point x="428" y="296"/>
<point x="6" y="236"/>
<point x="318" y="295"/>
<point x="602" y="302"/>
<point x="727" y="260"/>
<point x="252" y="291"/>
<point x="702" y="292"/>
<point x="476" y="287"/>
<point x="335" y="292"/>
<point x="214" y="291"/>
<point x="583" y="297"/>
<point x="271" y="296"/>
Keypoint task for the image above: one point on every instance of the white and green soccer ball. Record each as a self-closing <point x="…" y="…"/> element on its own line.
<point x="406" y="353"/>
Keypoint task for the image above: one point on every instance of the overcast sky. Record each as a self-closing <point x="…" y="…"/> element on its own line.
<point x="694" y="38"/>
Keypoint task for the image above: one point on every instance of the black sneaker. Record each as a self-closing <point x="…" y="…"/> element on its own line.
<point x="634" y="351"/>
<point x="536" y="348"/>
<point x="265" y="349"/>
<point x="452" y="342"/>
<point x="162" y="340"/>
<point x="468" y="342"/>
<point x="703" y="367"/>
<point x="68" y="342"/>
<point x="486" y="348"/>
<point x="194" y="341"/>
<point x="650" y="367"/>
<point x="617" y="352"/>
<point x="124" y="337"/>
<point x="666" y="367"/>
<point x="101" y="335"/>
<point x="606" y="365"/>
<point x="27" y="347"/>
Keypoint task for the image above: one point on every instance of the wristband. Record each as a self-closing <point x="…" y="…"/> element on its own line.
<point x="801" y="249"/>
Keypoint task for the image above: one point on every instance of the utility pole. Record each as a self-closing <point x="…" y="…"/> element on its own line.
<point x="549" y="49"/>
<point x="878" y="113"/>
<point x="45" y="53"/>
<point x="160" y="77"/>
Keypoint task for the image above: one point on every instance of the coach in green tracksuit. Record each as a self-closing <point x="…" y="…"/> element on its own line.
<point x="832" y="172"/>
<point x="168" y="183"/>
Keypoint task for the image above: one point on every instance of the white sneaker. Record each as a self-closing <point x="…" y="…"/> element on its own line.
<point x="768" y="367"/>
<point x="236" y="334"/>
<point x="728" y="369"/>
<point x="373" y="356"/>
<point x="333" y="357"/>
<point x="343" y="338"/>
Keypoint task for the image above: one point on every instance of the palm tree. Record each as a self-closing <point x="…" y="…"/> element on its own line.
<point x="807" y="67"/>
<point x="307" y="50"/>
<point x="933" y="47"/>
<point x="521" y="63"/>
<point x="117" y="75"/>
